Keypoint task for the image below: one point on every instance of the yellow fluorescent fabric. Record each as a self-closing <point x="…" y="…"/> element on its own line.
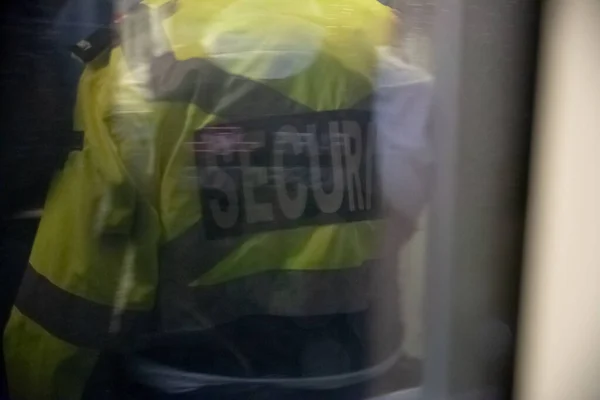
<point x="41" y="366"/>
<point x="327" y="248"/>
<point x="342" y="33"/>
<point x="90" y="211"/>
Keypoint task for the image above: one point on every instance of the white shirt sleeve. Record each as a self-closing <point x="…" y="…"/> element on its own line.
<point x="401" y="111"/>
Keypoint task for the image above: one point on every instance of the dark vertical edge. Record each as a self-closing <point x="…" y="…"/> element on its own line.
<point x="531" y="63"/>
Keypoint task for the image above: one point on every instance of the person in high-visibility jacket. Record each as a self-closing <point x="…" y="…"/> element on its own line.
<point x="249" y="171"/>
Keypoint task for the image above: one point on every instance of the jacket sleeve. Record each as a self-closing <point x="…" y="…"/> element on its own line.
<point x="93" y="269"/>
<point x="402" y="108"/>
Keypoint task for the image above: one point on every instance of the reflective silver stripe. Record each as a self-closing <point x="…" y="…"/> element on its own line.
<point x="29" y="214"/>
<point x="71" y="318"/>
<point x="197" y="81"/>
<point x="172" y="380"/>
<point x="290" y="293"/>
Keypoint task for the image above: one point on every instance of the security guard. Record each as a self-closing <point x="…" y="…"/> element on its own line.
<point x="233" y="220"/>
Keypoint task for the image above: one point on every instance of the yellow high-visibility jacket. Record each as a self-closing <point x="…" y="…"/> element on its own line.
<point x="210" y="188"/>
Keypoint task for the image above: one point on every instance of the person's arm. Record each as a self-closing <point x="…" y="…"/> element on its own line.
<point x="402" y="107"/>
